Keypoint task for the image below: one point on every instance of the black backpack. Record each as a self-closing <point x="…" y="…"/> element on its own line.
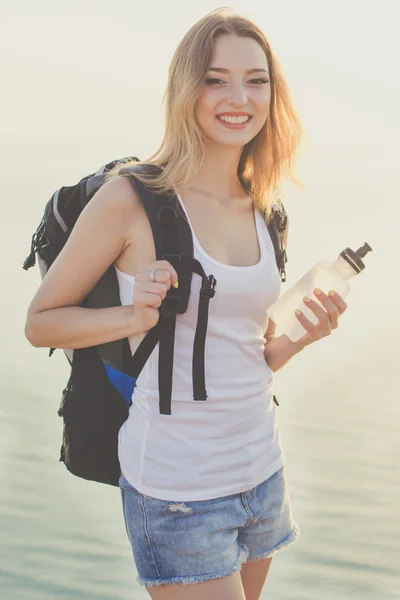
<point x="95" y="403"/>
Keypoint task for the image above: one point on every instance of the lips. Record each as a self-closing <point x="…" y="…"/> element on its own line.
<point x="234" y="120"/>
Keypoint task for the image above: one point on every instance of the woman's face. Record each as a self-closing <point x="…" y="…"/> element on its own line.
<point x="234" y="101"/>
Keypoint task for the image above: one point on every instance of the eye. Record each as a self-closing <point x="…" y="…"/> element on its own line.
<point x="213" y="81"/>
<point x="259" y="81"/>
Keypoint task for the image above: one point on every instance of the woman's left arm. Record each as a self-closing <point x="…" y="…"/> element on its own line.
<point x="280" y="349"/>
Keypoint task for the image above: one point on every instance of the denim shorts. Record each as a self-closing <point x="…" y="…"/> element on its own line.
<point x="191" y="542"/>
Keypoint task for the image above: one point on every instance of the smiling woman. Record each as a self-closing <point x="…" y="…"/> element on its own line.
<point x="203" y="483"/>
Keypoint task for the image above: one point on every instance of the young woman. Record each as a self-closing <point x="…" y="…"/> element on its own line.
<point x="204" y="489"/>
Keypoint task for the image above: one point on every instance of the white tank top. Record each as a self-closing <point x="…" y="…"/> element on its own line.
<point x="230" y="442"/>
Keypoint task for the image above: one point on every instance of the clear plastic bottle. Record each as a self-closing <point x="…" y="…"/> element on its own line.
<point x="326" y="276"/>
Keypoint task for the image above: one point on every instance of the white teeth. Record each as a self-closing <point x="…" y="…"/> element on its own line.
<point x="230" y="119"/>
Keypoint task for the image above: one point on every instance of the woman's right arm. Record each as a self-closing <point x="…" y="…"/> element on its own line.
<point x="55" y="318"/>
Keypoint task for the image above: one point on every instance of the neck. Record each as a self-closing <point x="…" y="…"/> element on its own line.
<point x="218" y="175"/>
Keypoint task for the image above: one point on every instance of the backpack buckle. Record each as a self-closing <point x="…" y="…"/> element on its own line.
<point x="207" y="290"/>
<point x="170" y="306"/>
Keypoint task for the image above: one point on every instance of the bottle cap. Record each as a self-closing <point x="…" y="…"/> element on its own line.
<point x="355" y="258"/>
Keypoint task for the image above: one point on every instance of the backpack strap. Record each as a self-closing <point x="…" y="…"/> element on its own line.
<point x="174" y="243"/>
<point x="207" y="292"/>
<point x="277" y="225"/>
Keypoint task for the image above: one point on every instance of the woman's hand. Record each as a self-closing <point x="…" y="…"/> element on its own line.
<point x="151" y="286"/>
<point x="333" y="306"/>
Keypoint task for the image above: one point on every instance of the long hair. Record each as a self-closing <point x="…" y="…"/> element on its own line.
<point x="265" y="160"/>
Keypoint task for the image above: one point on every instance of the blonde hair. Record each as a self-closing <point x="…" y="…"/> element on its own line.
<point x="265" y="160"/>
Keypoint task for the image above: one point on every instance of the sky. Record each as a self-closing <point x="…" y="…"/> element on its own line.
<point x="82" y="84"/>
<point x="63" y="61"/>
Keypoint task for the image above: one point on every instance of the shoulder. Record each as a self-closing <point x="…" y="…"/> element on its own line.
<point x="118" y="195"/>
<point x="116" y="206"/>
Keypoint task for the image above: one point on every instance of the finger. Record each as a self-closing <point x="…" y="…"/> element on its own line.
<point x="154" y="288"/>
<point x="160" y="276"/>
<point x="331" y="308"/>
<point x="146" y="299"/>
<point x="324" y="321"/>
<point x="164" y="265"/>
<point x="338" y="301"/>
<point x="148" y="275"/>
<point x="314" y="332"/>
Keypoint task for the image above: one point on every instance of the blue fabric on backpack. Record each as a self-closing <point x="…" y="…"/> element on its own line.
<point x="124" y="384"/>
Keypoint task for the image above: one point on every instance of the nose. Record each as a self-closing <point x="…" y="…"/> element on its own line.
<point x="237" y="95"/>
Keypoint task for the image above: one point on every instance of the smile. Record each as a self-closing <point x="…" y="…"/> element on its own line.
<point x="234" y="121"/>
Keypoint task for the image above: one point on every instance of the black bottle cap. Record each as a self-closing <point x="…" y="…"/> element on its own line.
<point x="355" y="258"/>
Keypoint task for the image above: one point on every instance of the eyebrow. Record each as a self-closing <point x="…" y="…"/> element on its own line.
<point x="221" y="70"/>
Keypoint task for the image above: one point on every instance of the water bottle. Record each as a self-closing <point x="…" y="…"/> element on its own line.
<point x="326" y="276"/>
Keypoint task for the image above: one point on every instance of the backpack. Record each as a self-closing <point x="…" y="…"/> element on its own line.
<point x="95" y="402"/>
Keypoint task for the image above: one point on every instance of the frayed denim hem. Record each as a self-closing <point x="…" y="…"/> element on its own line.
<point x="292" y="537"/>
<point x="242" y="558"/>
